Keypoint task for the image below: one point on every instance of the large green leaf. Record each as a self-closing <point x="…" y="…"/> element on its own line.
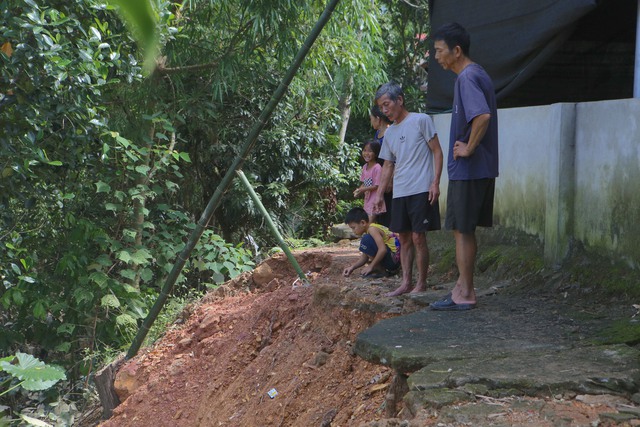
<point x="110" y="301"/>
<point x="124" y="256"/>
<point x="33" y="421"/>
<point x="99" y="278"/>
<point x="102" y="187"/>
<point x="35" y="374"/>
<point x="142" y="20"/>
<point x="141" y="256"/>
<point x="126" y="320"/>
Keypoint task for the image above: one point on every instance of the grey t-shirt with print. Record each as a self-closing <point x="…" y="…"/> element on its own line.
<point x="405" y="144"/>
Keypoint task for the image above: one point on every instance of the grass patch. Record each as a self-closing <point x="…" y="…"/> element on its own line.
<point x="489" y="258"/>
<point x="622" y="331"/>
<point x="510" y="261"/>
<point x="445" y="260"/>
<point x="294" y="244"/>
<point x="608" y="278"/>
<point x="174" y="309"/>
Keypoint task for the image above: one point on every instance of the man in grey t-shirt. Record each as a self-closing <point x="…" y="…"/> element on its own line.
<point x="413" y="157"/>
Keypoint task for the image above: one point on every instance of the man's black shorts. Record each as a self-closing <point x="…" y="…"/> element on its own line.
<point x="414" y="213"/>
<point x="470" y="204"/>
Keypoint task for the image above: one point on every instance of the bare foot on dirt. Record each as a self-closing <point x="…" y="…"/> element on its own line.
<point x="403" y="289"/>
<point x="419" y="289"/>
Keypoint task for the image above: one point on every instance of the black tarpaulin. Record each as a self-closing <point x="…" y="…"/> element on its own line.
<point x="510" y="39"/>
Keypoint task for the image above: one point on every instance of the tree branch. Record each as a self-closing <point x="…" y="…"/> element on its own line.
<point x="161" y="62"/>
<point x="415" y="5"/>
<point x="172" y="70"/>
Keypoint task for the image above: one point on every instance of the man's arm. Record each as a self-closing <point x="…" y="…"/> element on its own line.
<point x="385" y="179"/>
<point x="436" y="149"/>
<point x="479" y="126"/>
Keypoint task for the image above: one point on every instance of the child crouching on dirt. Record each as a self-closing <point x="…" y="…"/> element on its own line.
<point x="378" y="245"/>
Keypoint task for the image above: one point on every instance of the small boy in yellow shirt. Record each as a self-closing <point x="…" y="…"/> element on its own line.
<point x="378" y="246"/>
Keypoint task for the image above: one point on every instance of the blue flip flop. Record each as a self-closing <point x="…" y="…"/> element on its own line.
<point x="447" y="304"/>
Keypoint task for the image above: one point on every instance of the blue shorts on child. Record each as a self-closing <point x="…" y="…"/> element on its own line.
<point x="391" y="261"/>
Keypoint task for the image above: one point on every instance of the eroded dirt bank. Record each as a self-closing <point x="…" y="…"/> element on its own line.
<point x="262" y="332"/>
<point x="218" y="368"/>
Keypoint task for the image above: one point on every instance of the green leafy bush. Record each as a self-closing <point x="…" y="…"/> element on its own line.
<point x="219" y="261"/>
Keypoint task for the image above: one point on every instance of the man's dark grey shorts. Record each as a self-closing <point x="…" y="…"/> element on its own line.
<point x="470" y="204"/>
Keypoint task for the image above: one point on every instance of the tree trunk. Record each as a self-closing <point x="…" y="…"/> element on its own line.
<point x="104" y="384"/>
<point x="396" y="392"/>
<point x="345" y="106"/>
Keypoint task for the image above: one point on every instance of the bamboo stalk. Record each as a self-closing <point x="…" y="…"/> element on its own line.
<point x="214" y="201"/>
<point x="272" y="226"/>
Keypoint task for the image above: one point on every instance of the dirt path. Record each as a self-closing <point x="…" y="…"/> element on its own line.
<point x="276" y="354"/>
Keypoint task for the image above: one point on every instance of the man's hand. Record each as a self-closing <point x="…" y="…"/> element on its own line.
<point x="479" y="126"/>
<point x="378" y="199"/>
<point x="434" y="193"/>
<point x="347" y="271"/>
<point x="461" y="149"/>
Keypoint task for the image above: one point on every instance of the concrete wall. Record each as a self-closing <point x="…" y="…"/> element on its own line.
<point x="607" y="196"/>
<point x="569" y="172"/>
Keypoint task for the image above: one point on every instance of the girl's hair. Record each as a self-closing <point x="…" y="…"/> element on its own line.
<point x="374" y="146"/>
<point x="376" y="112"/>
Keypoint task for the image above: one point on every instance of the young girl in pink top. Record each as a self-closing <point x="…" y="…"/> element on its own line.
<point x="370" y="178"/>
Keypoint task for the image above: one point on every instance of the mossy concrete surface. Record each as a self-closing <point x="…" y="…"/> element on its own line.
<point x="592" y="370"/>
<point x="536" y="331"/>
<point x="503" y="343"/>
<point x="435" y="398"/>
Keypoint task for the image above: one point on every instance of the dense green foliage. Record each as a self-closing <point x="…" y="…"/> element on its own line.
<point x="104" y="167"/>
<point x="407" y="26"/>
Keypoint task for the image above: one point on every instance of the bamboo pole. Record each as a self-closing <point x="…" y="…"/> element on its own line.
<point x="214" y="201"/>
<point x="272" y="226"/>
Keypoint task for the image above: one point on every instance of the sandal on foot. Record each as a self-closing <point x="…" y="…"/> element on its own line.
<point x="447" y="304"/>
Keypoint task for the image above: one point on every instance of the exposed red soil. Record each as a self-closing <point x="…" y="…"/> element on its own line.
<point x="245" y="339"/>
<point x="218" y="368"/>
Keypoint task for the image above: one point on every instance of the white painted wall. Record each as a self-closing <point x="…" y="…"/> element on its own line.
<point x="608" y="177"/>
<point x="568" y="172"/>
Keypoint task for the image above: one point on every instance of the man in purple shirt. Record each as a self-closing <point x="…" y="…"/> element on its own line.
<point x="473" y="158"/>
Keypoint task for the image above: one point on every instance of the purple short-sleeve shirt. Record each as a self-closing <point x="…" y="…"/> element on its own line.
<point x="473" y="95"/>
